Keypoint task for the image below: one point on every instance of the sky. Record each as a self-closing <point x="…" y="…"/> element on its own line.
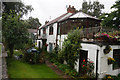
<point x="51" y="9"/>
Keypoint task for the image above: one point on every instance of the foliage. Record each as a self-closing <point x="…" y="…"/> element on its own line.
<point x="108" y="36"/>
<point x="32" y="23"/>
<point x="14" y="32"/>
<point x="32" y="57"/>
<point x="71" y="48"/>
<point x="87" y="68"/>
<point x="19" y="8"/>
<point x="18" y="52"/>
<point x="94" y="9"/>
<point x="112" y="19"/>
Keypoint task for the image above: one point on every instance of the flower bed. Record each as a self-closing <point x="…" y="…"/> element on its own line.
<point x="108" y="37"/>
<point x="87" y="68"/>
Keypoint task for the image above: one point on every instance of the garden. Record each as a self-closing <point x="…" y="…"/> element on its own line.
<point x="20" y="68"/>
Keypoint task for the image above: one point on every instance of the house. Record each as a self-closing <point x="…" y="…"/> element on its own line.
<point x="47" y="34"/>
<point x="32" y="34"/>
<point x="54" y="32"/>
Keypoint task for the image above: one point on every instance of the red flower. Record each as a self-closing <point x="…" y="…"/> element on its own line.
<point x="83" y="65"/>
<point x="83" y="60"/>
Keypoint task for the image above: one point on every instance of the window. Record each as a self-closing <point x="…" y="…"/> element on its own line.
<point x="44" y="31"/>
<point x="58" y="30"/>
<point x="39" y="44"/>
<point x="51" y="30"/>
<point x="116" y="56"/>
<point x="50" y="47"/>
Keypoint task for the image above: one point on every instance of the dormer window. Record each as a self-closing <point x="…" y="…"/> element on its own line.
<point x="51" y="30"/>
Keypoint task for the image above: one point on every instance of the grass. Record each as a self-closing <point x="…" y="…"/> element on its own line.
<point x="18" y="69"/>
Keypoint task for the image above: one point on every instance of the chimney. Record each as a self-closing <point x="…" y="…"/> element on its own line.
<point x="46" y="22"/>
<point x="71" y="9"/>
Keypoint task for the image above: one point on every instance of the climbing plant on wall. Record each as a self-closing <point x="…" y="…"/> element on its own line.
<point x="71" y="47"/>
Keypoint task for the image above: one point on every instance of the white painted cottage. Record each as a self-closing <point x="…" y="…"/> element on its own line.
<point x="54" y="32"/>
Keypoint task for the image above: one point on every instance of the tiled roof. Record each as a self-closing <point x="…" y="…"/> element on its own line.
<point x="57" y="19"/>
<point x="70" y="15"/>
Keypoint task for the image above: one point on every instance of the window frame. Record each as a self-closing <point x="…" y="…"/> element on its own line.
<point x="116" y="55"/>
<point x="51" y="30"/>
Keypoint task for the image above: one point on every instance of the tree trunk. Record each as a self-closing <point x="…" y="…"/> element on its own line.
<point x="11" y="47"/>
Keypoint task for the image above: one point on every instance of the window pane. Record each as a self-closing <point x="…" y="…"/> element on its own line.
<point x="116" y="56"/>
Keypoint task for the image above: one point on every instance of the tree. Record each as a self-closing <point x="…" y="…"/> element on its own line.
<point x="112" y="19"/>
<point x="14" y="32"/>
<point x="71" y="48"/>
<point x="94" y="9"/>
<point x="18" y="7"/>
<point x="33" y="23"/>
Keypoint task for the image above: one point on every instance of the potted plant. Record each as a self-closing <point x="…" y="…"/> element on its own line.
<point x="107" y="49"/>
<point x="111" y="60"/>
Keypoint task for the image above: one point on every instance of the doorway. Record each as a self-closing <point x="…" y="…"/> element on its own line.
<point x="83" y="55"/>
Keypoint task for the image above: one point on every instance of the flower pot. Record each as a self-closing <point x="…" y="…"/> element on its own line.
<point x="111" y="60"/>
<point x="106" y="51"/>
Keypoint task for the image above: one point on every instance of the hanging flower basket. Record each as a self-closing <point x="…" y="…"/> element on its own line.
<point x="111" y="60"/>
<point x="107" y="49"/>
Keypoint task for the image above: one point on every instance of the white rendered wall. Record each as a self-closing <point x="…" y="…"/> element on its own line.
<point x="51" y="38"/>
<point x="40" y="43"/>
<point x="104" y="67"/>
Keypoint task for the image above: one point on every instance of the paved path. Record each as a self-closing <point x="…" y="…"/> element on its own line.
<point x="1" y="62"/>
<point x="57" y="70"/>
<point x="3" y="66"/>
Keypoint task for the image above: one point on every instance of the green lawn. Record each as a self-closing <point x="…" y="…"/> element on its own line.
<point x="17" y="69"/>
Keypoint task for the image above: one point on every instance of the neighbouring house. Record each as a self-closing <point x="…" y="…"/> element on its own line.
<point x="54" y="32"/>
<point x="33" y="34"/>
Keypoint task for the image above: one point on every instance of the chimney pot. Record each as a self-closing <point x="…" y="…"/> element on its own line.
<point x="46" y="22"/>
<point x="71" y="9"/>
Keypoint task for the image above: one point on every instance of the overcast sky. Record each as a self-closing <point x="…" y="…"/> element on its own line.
<point x="50" y="9"/>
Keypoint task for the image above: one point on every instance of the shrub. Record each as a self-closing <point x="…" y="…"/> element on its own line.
<point x="53" y="56"/>
<point x="71" y="48"/>
<point x="87" y="68"/>
<point x="73" y="73"/>
<point x="32" y="57"/>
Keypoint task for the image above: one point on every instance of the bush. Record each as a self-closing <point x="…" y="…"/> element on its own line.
<point x="53" y="56"/>
<point x="32" y="57"/>
<point x="87" y="68"/>
<point x="73" y="73"/>
<point x="71" y="48"/>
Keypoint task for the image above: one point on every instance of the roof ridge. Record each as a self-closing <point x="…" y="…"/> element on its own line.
<point x="54" y="20"/>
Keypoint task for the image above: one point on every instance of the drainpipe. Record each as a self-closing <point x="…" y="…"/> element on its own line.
<point x="97" y="65"/>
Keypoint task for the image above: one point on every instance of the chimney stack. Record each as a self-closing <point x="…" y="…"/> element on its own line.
<point x="71" y="9"/>
<point x="46" y="22"/>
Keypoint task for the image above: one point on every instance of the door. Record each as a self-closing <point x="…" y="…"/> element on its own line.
<point x="50" y="47"/>
<point x="83" y="55"/>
